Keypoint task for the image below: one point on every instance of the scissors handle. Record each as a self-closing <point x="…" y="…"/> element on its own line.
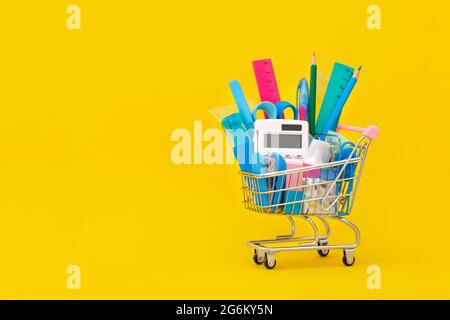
<point x="275" y="111"/>
<point x="268" y="107"/>
<point x="282" y="106"/>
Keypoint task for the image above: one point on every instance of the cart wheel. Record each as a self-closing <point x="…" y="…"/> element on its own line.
<point x="270" y="262"/>
<point x="259" y="259"/>
<point x="323" y="253"/>
<point x="348" y="261"/>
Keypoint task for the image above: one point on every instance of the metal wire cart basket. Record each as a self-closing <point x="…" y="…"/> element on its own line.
<point x="321" y="192"/>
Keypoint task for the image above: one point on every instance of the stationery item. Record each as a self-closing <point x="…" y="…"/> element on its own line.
<point x="243" y="150"/>
<point x="239" y="134"/>
<point x="242" y="144"/>
<point x="296" y="197"/>
<point x="312" y="96"/>
<point x="220" y="113"/>
<point x="338" y="147"/>
<point x="274" y="111"/>
<point x="344" y="185"/>
<point x="347" y="151"/>
<point x="333" y="120"/>
<point x="319" y="153"/>
<point x="336" y="140"/>
<point x="340" y="77"/>
<point x="269" y="109"/>
<point x="265" y="78"/>
<point x="289" y="138"/>
<point x="242" y="104"/>
<point x="302" y="111"/>
<point x="303" y="96"/>
<point x="314" y="195"/>
<point x="310" y="193"/>
<point x="267" y="194"/>
<point x="276" y="163"/>
<point x="282" y="106"/>
<point x="233" y="122"/>
<point x="260" y="185"/>
<point x="293" y="194"/>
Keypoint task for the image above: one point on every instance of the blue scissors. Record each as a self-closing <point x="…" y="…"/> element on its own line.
<point x="275" y="111"/>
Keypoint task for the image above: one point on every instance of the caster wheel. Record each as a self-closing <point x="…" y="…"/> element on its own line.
<point x="323" y="253"/>
<point x="347" y="261"/>
<point x="259" y="259"/>
<point x="270" y="263"/>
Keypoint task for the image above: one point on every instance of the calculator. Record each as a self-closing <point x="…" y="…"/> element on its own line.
<point x="289" y="138"/>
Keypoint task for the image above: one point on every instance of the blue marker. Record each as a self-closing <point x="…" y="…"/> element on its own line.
<point x="303" y="96"/>
<point x="242" y="104"/>
<point x="333" y="121"/>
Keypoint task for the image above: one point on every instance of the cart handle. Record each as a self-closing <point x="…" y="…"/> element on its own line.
<point x="370" y="132"/>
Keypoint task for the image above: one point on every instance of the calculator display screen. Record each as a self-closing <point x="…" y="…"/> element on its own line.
<point x="291" y="127"/>
<point x="283" y="141"/>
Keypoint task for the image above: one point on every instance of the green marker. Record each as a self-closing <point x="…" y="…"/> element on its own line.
<point x="312" y="97"/>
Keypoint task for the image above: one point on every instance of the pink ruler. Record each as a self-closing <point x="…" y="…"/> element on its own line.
<point x="265" y="78"/>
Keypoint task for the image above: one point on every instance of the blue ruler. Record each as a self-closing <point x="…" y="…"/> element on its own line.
<point x="340" y="77"/>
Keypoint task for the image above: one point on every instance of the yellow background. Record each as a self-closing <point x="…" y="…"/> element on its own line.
<point x="86" y="176"/>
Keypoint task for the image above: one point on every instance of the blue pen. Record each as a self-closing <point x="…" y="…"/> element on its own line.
<point x="242" y="104"/>
<point x="334" y="118"/>
<point x="303" y="96"/>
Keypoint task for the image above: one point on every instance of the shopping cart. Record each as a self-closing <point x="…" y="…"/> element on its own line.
<point x="321" y="192"/>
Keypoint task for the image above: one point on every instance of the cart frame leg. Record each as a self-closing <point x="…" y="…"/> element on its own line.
<point x="292" y="234"/>
<point x="323" y="240"/>
<point x="316" y="242"/>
